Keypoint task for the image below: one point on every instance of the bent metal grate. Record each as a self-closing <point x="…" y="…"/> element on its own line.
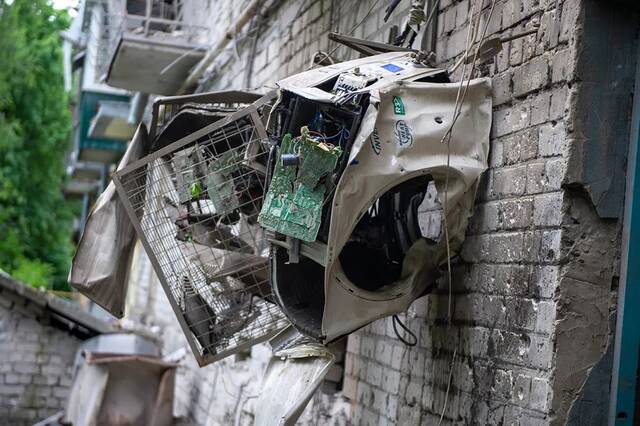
<point x="194" y="205"/>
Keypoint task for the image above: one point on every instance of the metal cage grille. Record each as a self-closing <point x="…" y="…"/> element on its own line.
<point x="194" y="205"/>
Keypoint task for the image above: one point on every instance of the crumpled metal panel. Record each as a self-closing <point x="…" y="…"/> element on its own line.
<point x="291" y="378"/>
<point x="403" y="147"/>
<point x="399" y="139"/>
<point x="100" y="266"/>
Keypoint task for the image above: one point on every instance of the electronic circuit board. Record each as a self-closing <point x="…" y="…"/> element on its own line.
<point x="220" y="184"/>
<point x="293" y="204"/>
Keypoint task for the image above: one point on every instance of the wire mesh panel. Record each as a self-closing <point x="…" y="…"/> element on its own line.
<point x="194" y="205"/>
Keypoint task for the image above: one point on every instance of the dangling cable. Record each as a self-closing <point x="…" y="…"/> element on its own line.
<point x="396" y="320"/>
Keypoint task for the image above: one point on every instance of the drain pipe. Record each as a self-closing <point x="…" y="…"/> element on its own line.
<point x="212" y="54"/>
<point x="136" y="108"/>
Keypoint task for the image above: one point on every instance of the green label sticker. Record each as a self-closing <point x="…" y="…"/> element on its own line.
<point x="398" y="105"/>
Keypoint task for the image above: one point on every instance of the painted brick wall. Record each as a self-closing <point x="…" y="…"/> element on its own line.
<point x="36" y="363"/>
<point x="518" y="282"/>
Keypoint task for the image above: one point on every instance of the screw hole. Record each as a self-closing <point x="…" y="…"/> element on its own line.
<point x="438" y="120"/>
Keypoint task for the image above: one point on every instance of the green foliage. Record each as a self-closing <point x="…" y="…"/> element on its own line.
<point x="35" y="220"/>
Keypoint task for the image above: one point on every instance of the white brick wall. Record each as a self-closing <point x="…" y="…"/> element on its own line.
<point x="36" y="363"/>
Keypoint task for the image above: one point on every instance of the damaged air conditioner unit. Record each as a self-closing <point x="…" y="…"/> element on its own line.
<point x="311" y="210"/>
<point x="371" y="144"/>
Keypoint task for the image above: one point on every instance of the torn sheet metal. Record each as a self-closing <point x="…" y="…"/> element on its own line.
<point x="394" y="148"/>
<point x="101" y="264"/>
<point x="383" y="70"/>
<point x="291" y="379"/>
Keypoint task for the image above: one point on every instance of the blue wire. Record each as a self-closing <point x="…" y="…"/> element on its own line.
<point x="340" y="133"/>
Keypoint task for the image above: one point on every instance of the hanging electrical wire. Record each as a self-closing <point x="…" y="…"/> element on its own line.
<point x="461" y="94"/>
<point x="473" y="28"/>
<point x="328" y="55"/>
<point x="446" y="396"/>
<point x="396" y="321"/>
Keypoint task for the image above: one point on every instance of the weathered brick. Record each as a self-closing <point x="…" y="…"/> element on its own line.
<point x="496" y="154"/>
<point x="511" y="119"/>
<point x="370" y="418"/>
<point x="484" y="219"/>
<point x="413" y="394"/>
<point x="529" y="45"/>
<point x="511" y="13"/>
<point x="353" y="343"/>
<point x="545" y="176"/>
<point x="349" y="387"/>
<point x="408" y="416"/>
<point x="449" y="19"/>
<point x="531" y="76"/>
<point x="569" y="18"/>
<point x="391" y="408"/>
<point x="480" y="308"/>
<point x="543" y="280"/>
<point x="539" y="395"/>
<point x="414" y="362"/>
<point x="542" y="246"/>
<point x="500" y="248"/>
<point x="495" y="24"/>
<point x="453" y="45"/>
<point x="509" y="181"/>
<point x="502" y="88"/>
<point x="552" y="139"/>
<point x="558" y="103"/>
<point x="374" y="374"/>
<point x="398" y="355"/>
<point x="562" y="66"/>
<point x="12" y="389"/>
<point x="391" y="381"/>
<point x="515" y="52"/>
<point x="497" y="279"/>
<point x="520" y="146"/>
<point x="547" y="209"/>
<point x="367" y="346"/>
<point x="502" y="60"/>
<point x="540" y="108"/>
<point x="364" y="394"/>
<point x="515" y="214"/>
<point x="26" y="367"/>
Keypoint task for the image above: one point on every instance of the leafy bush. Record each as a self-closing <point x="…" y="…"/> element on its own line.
<point x="35" y="220"/>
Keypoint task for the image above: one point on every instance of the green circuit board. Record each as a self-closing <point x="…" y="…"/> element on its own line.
<point x="219" y="181"/>
<point x="293" y="204"/>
